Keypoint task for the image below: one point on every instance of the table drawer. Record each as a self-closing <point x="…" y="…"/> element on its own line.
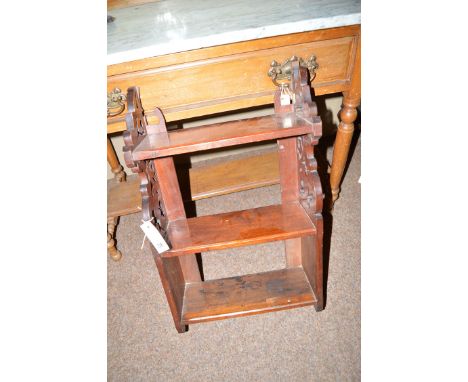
<point x="233" y="81"/>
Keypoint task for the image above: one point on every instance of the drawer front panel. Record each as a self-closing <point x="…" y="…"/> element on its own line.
<point x="235" y="81"/>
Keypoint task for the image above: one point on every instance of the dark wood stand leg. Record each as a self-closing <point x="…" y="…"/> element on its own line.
<point x="175" y="272"/>
<point x="162" y="204"/>
<point x="300" y="183"/>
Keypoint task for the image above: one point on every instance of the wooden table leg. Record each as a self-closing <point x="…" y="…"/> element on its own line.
<point x="119" y="175"/>
<point x="113" y="161"/>
<point x="348" y="114"/>
<point x="113" y="252"/>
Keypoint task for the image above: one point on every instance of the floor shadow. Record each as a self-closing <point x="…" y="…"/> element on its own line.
<point x="354" y="142"/>
<point x="329" y="128"/>
<point x="183" y="164"/>
<point x="322" y="168"/>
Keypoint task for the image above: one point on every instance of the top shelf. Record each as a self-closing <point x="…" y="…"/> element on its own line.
<point x="222" y="135"/>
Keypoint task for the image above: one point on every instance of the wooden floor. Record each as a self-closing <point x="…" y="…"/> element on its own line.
<point x="246" y="295"/>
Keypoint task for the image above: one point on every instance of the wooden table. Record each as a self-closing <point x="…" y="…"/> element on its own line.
<point x="192" y="60"/>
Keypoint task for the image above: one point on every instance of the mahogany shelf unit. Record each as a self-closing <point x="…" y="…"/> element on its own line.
<point x="297" y="221"/>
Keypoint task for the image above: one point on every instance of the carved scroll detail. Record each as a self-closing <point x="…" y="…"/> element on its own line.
<point x="310" y="189"/>
<point x="302" y="107"/>
<point x="151" y="200"/>
<point x="137" y="129"/>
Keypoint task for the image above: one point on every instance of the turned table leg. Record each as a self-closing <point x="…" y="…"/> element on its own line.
<point x="113" y="252"/>
<point x="114" y="164"/>
<point x="119" y="175"/>
<point x="348" y="114"/>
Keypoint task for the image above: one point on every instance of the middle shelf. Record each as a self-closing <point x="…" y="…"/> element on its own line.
<point x="239" y="228"/>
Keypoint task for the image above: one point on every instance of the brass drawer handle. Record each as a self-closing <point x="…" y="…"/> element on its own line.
<point x="281" y="73"/>
<point x="115" y="102"/>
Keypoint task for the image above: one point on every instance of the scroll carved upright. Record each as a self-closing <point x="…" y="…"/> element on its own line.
<point x="300" y="182"/>
<point x="153" y="207"/>
<point x="310" y="189"/>
<point x="161" y="204"/>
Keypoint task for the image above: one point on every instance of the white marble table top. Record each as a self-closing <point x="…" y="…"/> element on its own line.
<point x="170" y="26"/>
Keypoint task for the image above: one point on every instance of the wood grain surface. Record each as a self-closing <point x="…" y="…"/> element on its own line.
<point x="233" y="76"/>
<point x="221" y="135"/>
<point x="234" y="175"/>
<point x="115" y="4"/>
<point x="246" y="295"/>
<point x="240" y="174"/>
<point x="123" y="198"/>
<point x="239" y="228"/>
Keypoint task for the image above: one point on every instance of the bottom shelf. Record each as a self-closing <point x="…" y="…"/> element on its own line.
<point x="246" y="295"/>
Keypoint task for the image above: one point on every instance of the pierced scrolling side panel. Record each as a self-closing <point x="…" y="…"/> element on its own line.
<point x="137" y="129"/>
<point x="310" y="189"/>
<point x="152" y="203"/>
<point x="135" y="120"/>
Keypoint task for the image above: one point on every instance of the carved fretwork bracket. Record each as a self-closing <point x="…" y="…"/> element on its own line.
<point x="137" y="128"/>
<point x="135" y="120"/>
<point x="310" y="189"/>
<point x="302" y="106"/>
<point x="151" y="200"/>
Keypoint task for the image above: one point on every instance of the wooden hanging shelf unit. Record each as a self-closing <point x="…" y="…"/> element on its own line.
<point x="149" y="151"/>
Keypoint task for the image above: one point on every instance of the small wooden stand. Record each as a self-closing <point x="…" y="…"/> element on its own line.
<point x="297" y="220"/>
